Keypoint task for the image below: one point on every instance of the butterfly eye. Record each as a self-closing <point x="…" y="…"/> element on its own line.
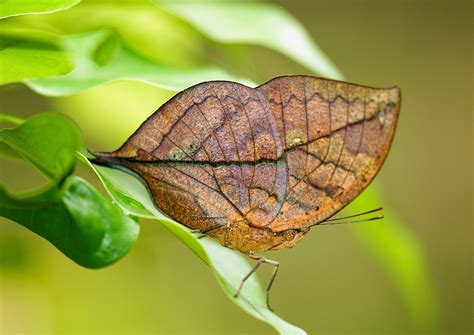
<point x="290" y="234"/>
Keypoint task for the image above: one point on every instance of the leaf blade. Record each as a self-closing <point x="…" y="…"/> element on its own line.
<point x="69" y="212"/>
<point x="29" y="54"/>
<point x="125" y="65"/>
<point x="17" y="7"/>
<point x="272" y="27"/>
<point x="77" y="220"/>
<point x="42" y="137"/>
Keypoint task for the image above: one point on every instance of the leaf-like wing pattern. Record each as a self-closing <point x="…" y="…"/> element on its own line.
<point x="257" y="163"/>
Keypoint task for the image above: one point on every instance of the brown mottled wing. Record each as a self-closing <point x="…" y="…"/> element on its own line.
<point x="212" y="154"/>
<point x="285" y="155"/>
<point x="336" y="136"/>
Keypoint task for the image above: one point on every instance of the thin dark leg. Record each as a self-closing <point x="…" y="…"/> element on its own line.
<point x="272" y="279"/>
<point x="260" y="260"/>
<point x="247" y="276"/>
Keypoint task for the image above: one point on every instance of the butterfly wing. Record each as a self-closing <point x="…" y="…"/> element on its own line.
<point x="285" y="155"/>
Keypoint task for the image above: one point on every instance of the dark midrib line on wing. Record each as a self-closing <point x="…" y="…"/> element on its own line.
<point x="216" y="164"/>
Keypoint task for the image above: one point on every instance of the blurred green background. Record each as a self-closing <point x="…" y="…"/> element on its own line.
<point x="331" y="283"/>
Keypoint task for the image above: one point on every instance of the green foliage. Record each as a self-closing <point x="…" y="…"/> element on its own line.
<point x="257" y="23"/>
<point x="133" y="58"/>
<point x="43" y="137"/>
<point x="100" y="58"/>
<point x="69" y="212"/>
<point x="148" y="30"/>
<point x="29" y="54"/>
<point x="22" y="7"/>
<point x="77" y="219"/>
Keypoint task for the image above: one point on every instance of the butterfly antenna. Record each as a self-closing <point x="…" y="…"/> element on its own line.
<point x="333" y="222"/>
<point x="355" y="215"/>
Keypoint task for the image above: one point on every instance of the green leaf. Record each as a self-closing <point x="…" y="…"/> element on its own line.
<point x="148" y="30"/>
<point x="124" y="65"/>
<point x="22" y="7"/>
<point x="49" y="141"/>
<point x="69" y="213"/>
<point x="29" y="54"/>
<point x="256" y="23"/>
<point x="77" y="219"/>
<point x="228" y="266"/>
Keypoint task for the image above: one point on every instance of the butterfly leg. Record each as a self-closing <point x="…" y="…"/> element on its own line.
<point x="247" y="276"/>
<point x="276" y="265"/>
<point x="260" y="260"/>
<point x="207" y="229"/>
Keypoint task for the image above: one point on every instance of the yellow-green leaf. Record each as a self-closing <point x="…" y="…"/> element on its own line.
<point x="21" y="7"/>
<point x="28" y="54"/>
<point x="124" y="65"/>
<point x="256" y="23"/>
